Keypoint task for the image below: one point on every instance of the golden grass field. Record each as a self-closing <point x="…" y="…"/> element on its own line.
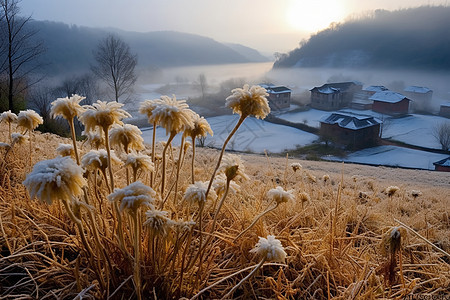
<point x="335" y="239"/>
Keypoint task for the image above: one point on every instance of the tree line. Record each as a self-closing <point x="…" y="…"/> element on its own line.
<point x="22" y="83"/>
<point x="414" y="38"/>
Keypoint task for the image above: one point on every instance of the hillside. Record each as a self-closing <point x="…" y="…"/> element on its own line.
<point x="69" y="48"/>
<point x="414" y="38"/>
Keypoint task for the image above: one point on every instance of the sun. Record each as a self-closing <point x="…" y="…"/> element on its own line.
<point x="313" y="15"/>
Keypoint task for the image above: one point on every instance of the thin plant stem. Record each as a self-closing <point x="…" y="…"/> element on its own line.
<point x="236" y="127"/>
<point x="153" y="153"/>
<point x="163" y="177"/>
<point x="137" y="265"/>
<point x="230" y="293"/>
<point x="254" y="221"/>
<point x="74" y="140"/>
<point x="193" y="160"/>
<point x="178" y="168"/>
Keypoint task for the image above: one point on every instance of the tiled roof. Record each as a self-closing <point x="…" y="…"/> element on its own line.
<point x="388" y="96"/>
<point x="444" y="163"/>
<point x="350" y="122"/>
<point x="417" y="89"/>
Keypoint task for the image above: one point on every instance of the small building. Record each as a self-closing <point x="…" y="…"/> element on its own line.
<point x="361" y="100"/>
<point x="334" y="96"/>
<point x="444" y="110"/>
<point x="388" y="102"/>
<point x="279" y="96"/>
<point x="421" y="97"/>
<point x="354" y="132"/>
<point x="442" y="165"/>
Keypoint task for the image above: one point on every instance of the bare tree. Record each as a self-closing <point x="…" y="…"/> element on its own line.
<point x="19" y="50"/>
<point x="115" y="65"/>
<point x="202" y="85"/>
<point x="441" y="132"/>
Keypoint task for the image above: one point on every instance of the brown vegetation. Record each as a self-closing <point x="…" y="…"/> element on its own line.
<point x="335" y="240"/>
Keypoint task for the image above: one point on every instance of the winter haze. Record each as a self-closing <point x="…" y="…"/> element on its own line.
<point x="267" y="26"/>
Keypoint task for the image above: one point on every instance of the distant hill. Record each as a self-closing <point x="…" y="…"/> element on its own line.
<point x="69" y="48"/>
<point x="414" y="38"/>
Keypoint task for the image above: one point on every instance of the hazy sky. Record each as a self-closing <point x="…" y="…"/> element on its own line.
<point x="267" y="25"/>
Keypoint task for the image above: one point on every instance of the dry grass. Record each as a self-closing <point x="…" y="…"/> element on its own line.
<point x="333" y="242"/>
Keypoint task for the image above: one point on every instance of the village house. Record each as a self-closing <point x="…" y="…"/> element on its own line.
<point x="279" y="96"/>
<point x="388" y="102"/>
<point x="421" y="97"/>
<point x="351" y="131"/>
<point x="334" y="96"/>
<point x="442" y="165"/>
<point x="444" y="110"/>
<point x="361" y="100"/>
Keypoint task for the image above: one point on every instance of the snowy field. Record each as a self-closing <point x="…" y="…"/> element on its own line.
<point x="392" y="156"/>
<point x="413" y="129"/>
<point x="254" y="135"/>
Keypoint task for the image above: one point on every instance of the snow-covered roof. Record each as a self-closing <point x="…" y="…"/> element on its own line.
<point x="353" y="122"/>
<point x="417" y="89"/>
<point x="376" y="88"/>
<point x="328" y="90"/>
<point x="443" y="163"/>
<point x="339" y="86"/>
<point x="275" y="89"/>
<point x="446" y="104"/>
<point x="388" y="96"/>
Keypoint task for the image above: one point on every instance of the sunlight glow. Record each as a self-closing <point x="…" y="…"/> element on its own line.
<point x="313" y="15"/>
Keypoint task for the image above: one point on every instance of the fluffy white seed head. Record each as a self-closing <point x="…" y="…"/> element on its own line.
<point x="65" y="150"/>
<point x="220" y="183"/>
<point x="249" y="101"/>
<point x="270" y="249"/>
<point x="18" y="138"/>
<point x="55" y="179"/>
<point x="139" y="162"/>
<point x="279" y="195"/>
<point x="8" y="117"/>
<point x="68" y="108"/>
<point x="133" y="196"/>
<point x="103" y="114"/>
<point x="158" y="222"/>
<point x="200" y="127"/>
<point x="296" y="166"/>
<point x="172" y="114"/>
<point x="29" y="119"/>
<point x="232" y="166"/>
<point x="196" y="193"/>
<point x="126" y="137"/>
<point x="97" y="159"/>
<point x="391" y="190"/>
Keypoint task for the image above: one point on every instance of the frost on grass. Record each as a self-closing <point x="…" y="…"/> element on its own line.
<point x="249" y="101"/>
<point x="97" y="159"/>
<point x="8" y="117"/>
<point x="68" y="108"/>
<point x="200" y="127"/>
<point x="232" y="166"/>
<point x="103" y="114"/>
<point x="196" y="193"/>
<point x="172" y="114"/>
<point x="55" y="179"/>
<point x="29" y="119"/>
<point x="127" y="137"/>
<point x="133" y="196"/>
<point x="65" y="150"/>
<point x="279" y="195"/>
<point x="139" y="161"/>
<point x="158" y="222"/>
<point x="270" y="249"/>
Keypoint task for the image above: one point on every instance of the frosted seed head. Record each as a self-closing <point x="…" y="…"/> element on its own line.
<point x="270" y="249"/>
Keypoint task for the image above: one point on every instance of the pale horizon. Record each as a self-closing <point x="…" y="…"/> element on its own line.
<point x="267" y="26"/>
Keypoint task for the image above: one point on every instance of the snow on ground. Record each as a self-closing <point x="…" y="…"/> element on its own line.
<point x="310" y="117"/>
<point x="254" y="135"/>
<point x="392" y="156"/>
<point x="413" y="129"/>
